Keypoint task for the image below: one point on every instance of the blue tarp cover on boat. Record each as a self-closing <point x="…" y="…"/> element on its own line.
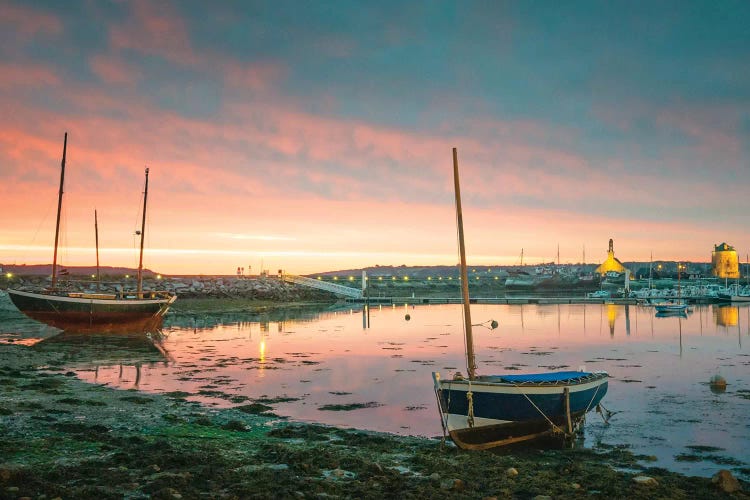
<point x="542" y="377"/>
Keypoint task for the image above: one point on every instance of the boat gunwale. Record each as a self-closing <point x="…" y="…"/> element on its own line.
<point x="125" y="298"/>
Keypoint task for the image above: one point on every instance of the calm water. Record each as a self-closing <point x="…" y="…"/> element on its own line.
<point x="660" y="368"/>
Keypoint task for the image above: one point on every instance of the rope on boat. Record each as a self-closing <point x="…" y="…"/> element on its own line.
<point x="470" y="399"/>
<point x="555" y="428"/>
<point x="605" y="413"/>
<point x="588" y="406"/>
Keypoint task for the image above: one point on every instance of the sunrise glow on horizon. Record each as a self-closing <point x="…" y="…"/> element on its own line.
<point x="317" y="137"/>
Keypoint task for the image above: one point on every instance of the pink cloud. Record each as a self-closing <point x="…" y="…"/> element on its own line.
<point x="114" y="70"/>
<point x="715" y="129"/>
<point x="29" y="22"/>
<point x="155" y="29"/>
<point x="26" y="75"/>
<point x="254" y="77"/>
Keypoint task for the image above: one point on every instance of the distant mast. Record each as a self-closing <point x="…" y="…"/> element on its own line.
<point x="59" y="207"/>
<point x="139" y="289"/>
<point x="470" y="361"/>
<point x="96" y="233"/>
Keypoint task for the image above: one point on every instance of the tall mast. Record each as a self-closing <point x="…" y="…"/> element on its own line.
<point x="470" y="361"/>
<point x="59" y="207"/>
<point x="96" y="233"/>
<point x="650" y="269"/>
<point x="139" y="290"/>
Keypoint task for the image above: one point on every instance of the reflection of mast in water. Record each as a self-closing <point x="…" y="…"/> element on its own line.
<point x="366" y="317"/>
<point x="558" y="320"/>
<point x="627" y="320"/>
<point x="680" y="324"/>
<point x="652" y="325"/>
<point x="739" y="329"/>
<point x="584" y="320"/>
<point x="522" y="327"/>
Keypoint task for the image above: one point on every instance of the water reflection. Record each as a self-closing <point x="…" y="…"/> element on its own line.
<point x="727" y="315"/>
<point x="89" y="352"/>
<point x="378" y="363"/>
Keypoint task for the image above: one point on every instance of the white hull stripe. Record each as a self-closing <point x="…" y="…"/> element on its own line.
<point x="506" y="388"/>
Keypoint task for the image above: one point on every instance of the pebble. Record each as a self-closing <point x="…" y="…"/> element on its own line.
<point x="452" y="485"/>
<point x="575" y="486"/>
<point x="726" y="481"/>
<point x="434" y="476"/>
<point x="511" y="472"/>
<point x="645" y="480"/>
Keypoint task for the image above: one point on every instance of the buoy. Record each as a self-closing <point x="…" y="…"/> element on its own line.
<point x="407" y="317"/>
<point x="718" y="384"/>
<point x="493" y="324"/>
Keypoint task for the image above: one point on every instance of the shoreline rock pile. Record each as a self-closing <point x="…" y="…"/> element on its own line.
<point x="263" y="288"/>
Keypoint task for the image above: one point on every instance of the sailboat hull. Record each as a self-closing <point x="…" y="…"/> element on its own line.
<point x="499" y="411"/>
<point x="80" y="310"/>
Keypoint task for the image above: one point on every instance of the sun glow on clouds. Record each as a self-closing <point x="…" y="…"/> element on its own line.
<point x="261" y="237"/>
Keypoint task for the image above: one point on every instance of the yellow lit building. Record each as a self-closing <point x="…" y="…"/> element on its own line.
<point x="724" y="262"/>
<point x="611" y="264"/>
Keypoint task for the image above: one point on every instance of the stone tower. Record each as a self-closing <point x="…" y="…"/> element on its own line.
<point x="724" y="262"/>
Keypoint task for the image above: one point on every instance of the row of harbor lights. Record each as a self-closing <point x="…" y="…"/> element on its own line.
<point x="405" y="278"/>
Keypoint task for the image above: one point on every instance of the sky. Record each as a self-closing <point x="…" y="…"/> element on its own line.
<point x="317" y="136"/>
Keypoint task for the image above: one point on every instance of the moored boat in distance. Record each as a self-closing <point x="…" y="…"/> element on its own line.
<point x="480" y="412"/>
<point x="671" y="307"/>
<point x="137" y="310"/>
<point x="735" y="293"/>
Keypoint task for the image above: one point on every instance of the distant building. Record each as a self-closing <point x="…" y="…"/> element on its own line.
<point x="724" y="262"/>
<point x="612" y="264"/>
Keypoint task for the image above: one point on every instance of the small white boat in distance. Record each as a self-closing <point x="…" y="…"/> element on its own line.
<point x="671" y="307"/>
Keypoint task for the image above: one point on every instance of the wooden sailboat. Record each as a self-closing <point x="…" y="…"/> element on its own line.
<point x="122" y="311"/>
<point x="481" y="412"/>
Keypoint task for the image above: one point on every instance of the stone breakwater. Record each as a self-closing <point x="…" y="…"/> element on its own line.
<point x="190" y="287"/>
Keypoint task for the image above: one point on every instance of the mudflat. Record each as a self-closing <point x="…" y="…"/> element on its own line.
<point x="64" y="438"/>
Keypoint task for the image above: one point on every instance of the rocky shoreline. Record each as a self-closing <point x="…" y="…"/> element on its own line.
<point x="263" y="288"/>
<point x="64" y="438"/>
